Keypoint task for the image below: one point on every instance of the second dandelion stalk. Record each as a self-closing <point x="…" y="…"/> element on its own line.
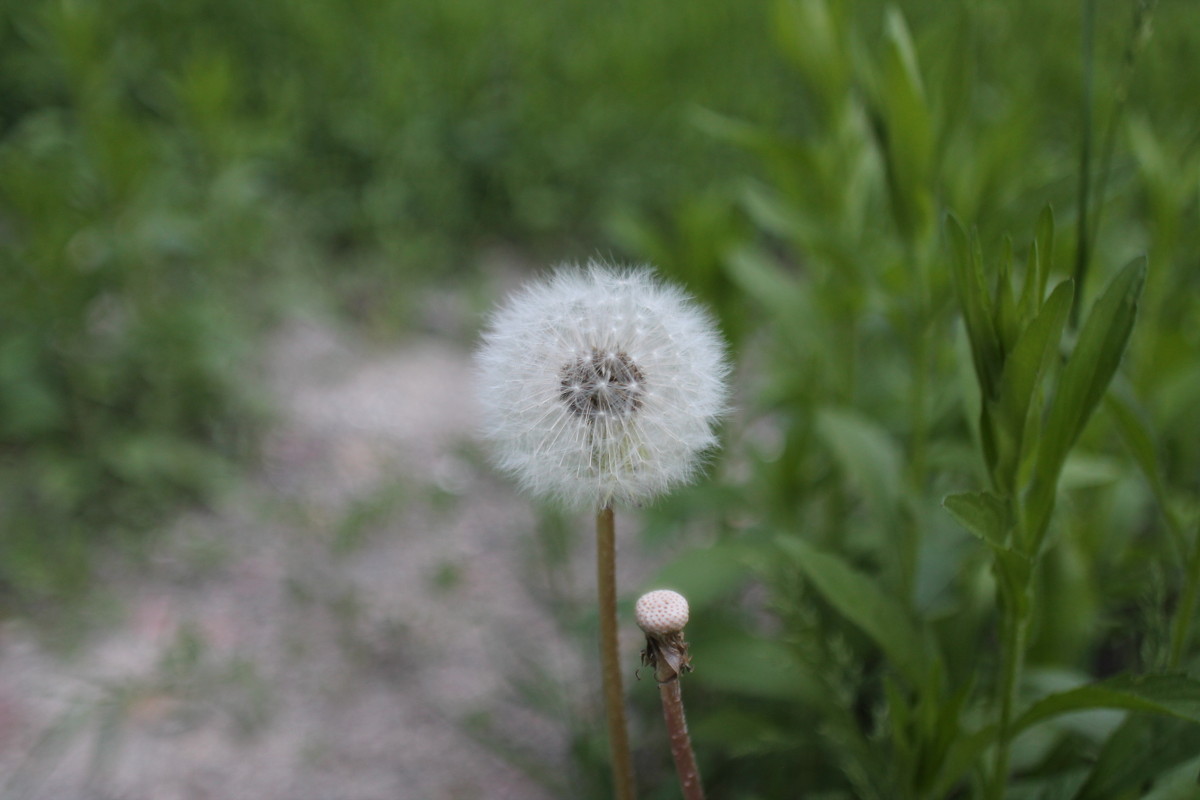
<point x="661" y="615"/>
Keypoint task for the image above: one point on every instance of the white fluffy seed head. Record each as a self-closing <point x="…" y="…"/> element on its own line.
<point x="661" y="611"/>
<point x="600" y="385"/>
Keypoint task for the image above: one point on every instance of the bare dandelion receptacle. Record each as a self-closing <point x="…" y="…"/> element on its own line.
<point x="661" y="611"/>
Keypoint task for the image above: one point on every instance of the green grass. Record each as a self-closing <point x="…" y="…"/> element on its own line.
<point x="165" y="167"/>
<point x="907" y="366"/>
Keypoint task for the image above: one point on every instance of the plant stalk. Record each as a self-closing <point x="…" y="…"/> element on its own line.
<point x="1082" y="236"/>
<point x="1181" y="625"/>
<point x="681" y="743"/>
<point x="1016" y="629"/>
<point x="610" y="659"/>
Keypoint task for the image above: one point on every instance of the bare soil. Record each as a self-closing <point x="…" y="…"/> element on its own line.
<point x="338" y="625"/>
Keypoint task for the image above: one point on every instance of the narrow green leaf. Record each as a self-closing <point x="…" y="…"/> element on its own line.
<point x="707" y="574"/>
<point x="756" y="667"/>
<point x="1139" y="752"/>
<point x="782" y="296"/>
<point x="1084" y="470"/>
<point x="747" y="135"/>
<point x="1044" y="239"/>
<point x="1034" y="351"/>
<point x="975" y="303"/>
<point x="1172" y="695"/>
<point x="963" y="754"/>
<point x="770" y="211"/>
<point x="1008" y="323"/>
<point x="1037" y="266"/>
<point x="982" y="513"/>
<point x="743" y="733"/>
<point x="1029" y="303"/>
<point x="857" y="597"/>
<point x="942" y="731"/>
<point x="1028" y="361"/>
<point x="1135" y="432"/>
<point x="866" y="453"/>
<point x="909" y="126"/>
<point x="807" y="33"/>
<point x="1083" y="383"/>
<point x="1101" y="345"/>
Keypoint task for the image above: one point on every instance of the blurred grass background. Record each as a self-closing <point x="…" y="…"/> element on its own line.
<point x="174" y="175"/>
<point x="168" y="170"/>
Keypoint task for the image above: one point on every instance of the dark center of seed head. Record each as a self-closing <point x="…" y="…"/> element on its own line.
<point x="605" y="383"/>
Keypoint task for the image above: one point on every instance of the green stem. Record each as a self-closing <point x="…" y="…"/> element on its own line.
<point x="1016" y="628"/>
<point x="610" y="658"/>
<point x="1083" y="239"/>
<point x="1143" y="12"/>
<point x="918" y="460"/>
<point x="1181" y="625"/>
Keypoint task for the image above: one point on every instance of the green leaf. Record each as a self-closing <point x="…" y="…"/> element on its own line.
<point x="982" y="513"/>
<point x="808" y="34"/>
<point x="857" y="597"/>
<point x="1171" y="695"/>
<point x="774" y="214"/>
<point x="909" y="127"/>
<point x="975" y="303"/>
<point x="942" y="732"/>
<point x="1083" y="470"/>
<point x="742" y="733"/>
<point x="1044" y="240"/>
<point x="762" y="141"/>
<point x="1008" y="322"/>
<point x="1138" y="753"/>
<point x="754" y="667"/>
<point x="963" y="754"/>
<point x="1083" y="383"/>
<point x="1135" y="432"/>
<point x="1034" y="352"/>
<point x="1037" y="268"/>
<point x="784" y="298"/>
<point x="707" y="574"/>
<point x="866" y="453"/>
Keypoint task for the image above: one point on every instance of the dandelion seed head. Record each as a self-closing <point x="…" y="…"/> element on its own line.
<point x="600" y="385"/>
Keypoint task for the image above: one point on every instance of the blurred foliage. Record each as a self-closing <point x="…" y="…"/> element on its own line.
<point x="894" y="362"/>
<point x="165" y="167"/>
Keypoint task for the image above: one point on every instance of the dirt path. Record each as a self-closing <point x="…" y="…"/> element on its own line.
<point x="329" y="630"/>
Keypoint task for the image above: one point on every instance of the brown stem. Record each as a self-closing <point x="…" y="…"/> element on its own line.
<point x="681" y="743"/>
<point x="610" y="660"/>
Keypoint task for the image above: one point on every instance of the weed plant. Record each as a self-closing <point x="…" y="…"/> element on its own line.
<point x="966" y="487"/>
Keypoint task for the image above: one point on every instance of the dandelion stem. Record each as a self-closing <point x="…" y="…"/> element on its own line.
<point x="681" y="743"/>
<point x="606" y="580"/>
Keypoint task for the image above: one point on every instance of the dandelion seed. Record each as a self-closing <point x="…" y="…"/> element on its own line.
<point x="601" y="386"/>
